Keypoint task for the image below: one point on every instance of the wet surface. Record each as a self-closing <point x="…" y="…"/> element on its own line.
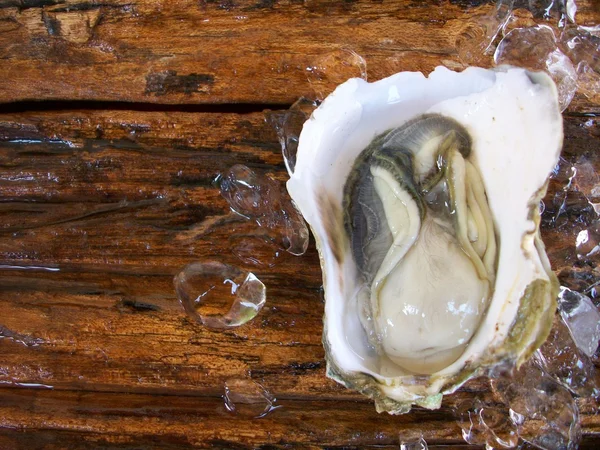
<point x="88" y="260"/>
<point x="89" y="250"/>
<point x="101" y="209"/>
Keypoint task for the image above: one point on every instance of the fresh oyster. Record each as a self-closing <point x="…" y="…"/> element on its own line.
<point x="423" y="197"/>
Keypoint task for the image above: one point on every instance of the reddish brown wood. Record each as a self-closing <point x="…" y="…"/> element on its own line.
<point x="119" y="201"/>
<point x="99" y="209"/>
<point x="224" y="51"/>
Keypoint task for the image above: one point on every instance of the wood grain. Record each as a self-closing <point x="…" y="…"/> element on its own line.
<point x="115" y="118"/>
<point x="202" y="52"/>
<point x="99" y="210"/>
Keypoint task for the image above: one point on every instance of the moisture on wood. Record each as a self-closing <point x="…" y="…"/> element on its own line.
<point x="106" y="192"/>
<point x="118" y="202"/>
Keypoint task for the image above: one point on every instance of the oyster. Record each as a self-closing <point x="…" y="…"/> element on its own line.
<point x="423" y="196"/>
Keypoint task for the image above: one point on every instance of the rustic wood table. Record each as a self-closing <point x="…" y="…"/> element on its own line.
<point x="115" y="117"/>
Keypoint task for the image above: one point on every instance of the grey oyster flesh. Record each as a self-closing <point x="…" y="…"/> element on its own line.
<point x="423" y="239"/>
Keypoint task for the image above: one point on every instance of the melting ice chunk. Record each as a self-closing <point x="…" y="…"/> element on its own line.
<point x="582" y="318"/>
<point x="218" y="295"/>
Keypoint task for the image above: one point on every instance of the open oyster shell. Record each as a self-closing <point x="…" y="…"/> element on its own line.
<point x="423" y="194"/>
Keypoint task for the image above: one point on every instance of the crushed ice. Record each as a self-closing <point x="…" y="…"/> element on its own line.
<point x="537" y="35"/>
<point x="262" y="198"/>
<point x="218" y="295"/>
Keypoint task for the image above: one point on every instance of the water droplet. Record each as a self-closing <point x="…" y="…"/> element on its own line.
<point x="218" y="295"/>
<point x="562" y="71"/>
<point x="247" y="193"/>
<point x="571" y="10"/>
<point x="519" y="18"/>
<point x="588" y="81"/>
<point x="587" y="244"/>
<point x="256" y="250"/>
<point x="247" y="398"/>
<point x="475" y="42"/>
<point x="583" y="47"/>
<point x="535" y="48"/>
<point x="541" y="9"/>
<point x="288" y="125"/>
<point x="331" y="69"/>
<point x="556" y="12"/>
<point x="567" y="211"/>
<point x="564" y="362"/>
<point x="24" y="339"/>
<point x="263" y="199"/>
<point x="412" y="442"/>
<point x="582" y="318"/>
<point x="588" y="181"/>
<point x="295" y="231"/>
<point x="32" y="385"/>
<point x="545" y="413"/>
<point x="28" y="267"/>
<point x="486" y="424"/>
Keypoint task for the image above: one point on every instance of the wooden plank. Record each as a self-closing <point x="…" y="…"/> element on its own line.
<point x="133" y="213"/>
<point x="105" y="207"/>
<point x="57" y="420"/>
<point x="252" y="51"/>
<point x="204" y="422"/>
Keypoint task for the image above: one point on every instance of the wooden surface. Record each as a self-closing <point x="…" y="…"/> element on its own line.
<point x="206" y="51"/>
<point x="103" y="202"/>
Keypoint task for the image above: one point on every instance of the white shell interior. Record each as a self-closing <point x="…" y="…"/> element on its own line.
<point x="516" y="127"/>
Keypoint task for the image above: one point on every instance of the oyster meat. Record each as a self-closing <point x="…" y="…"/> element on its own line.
<point x="423" y="196"/>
